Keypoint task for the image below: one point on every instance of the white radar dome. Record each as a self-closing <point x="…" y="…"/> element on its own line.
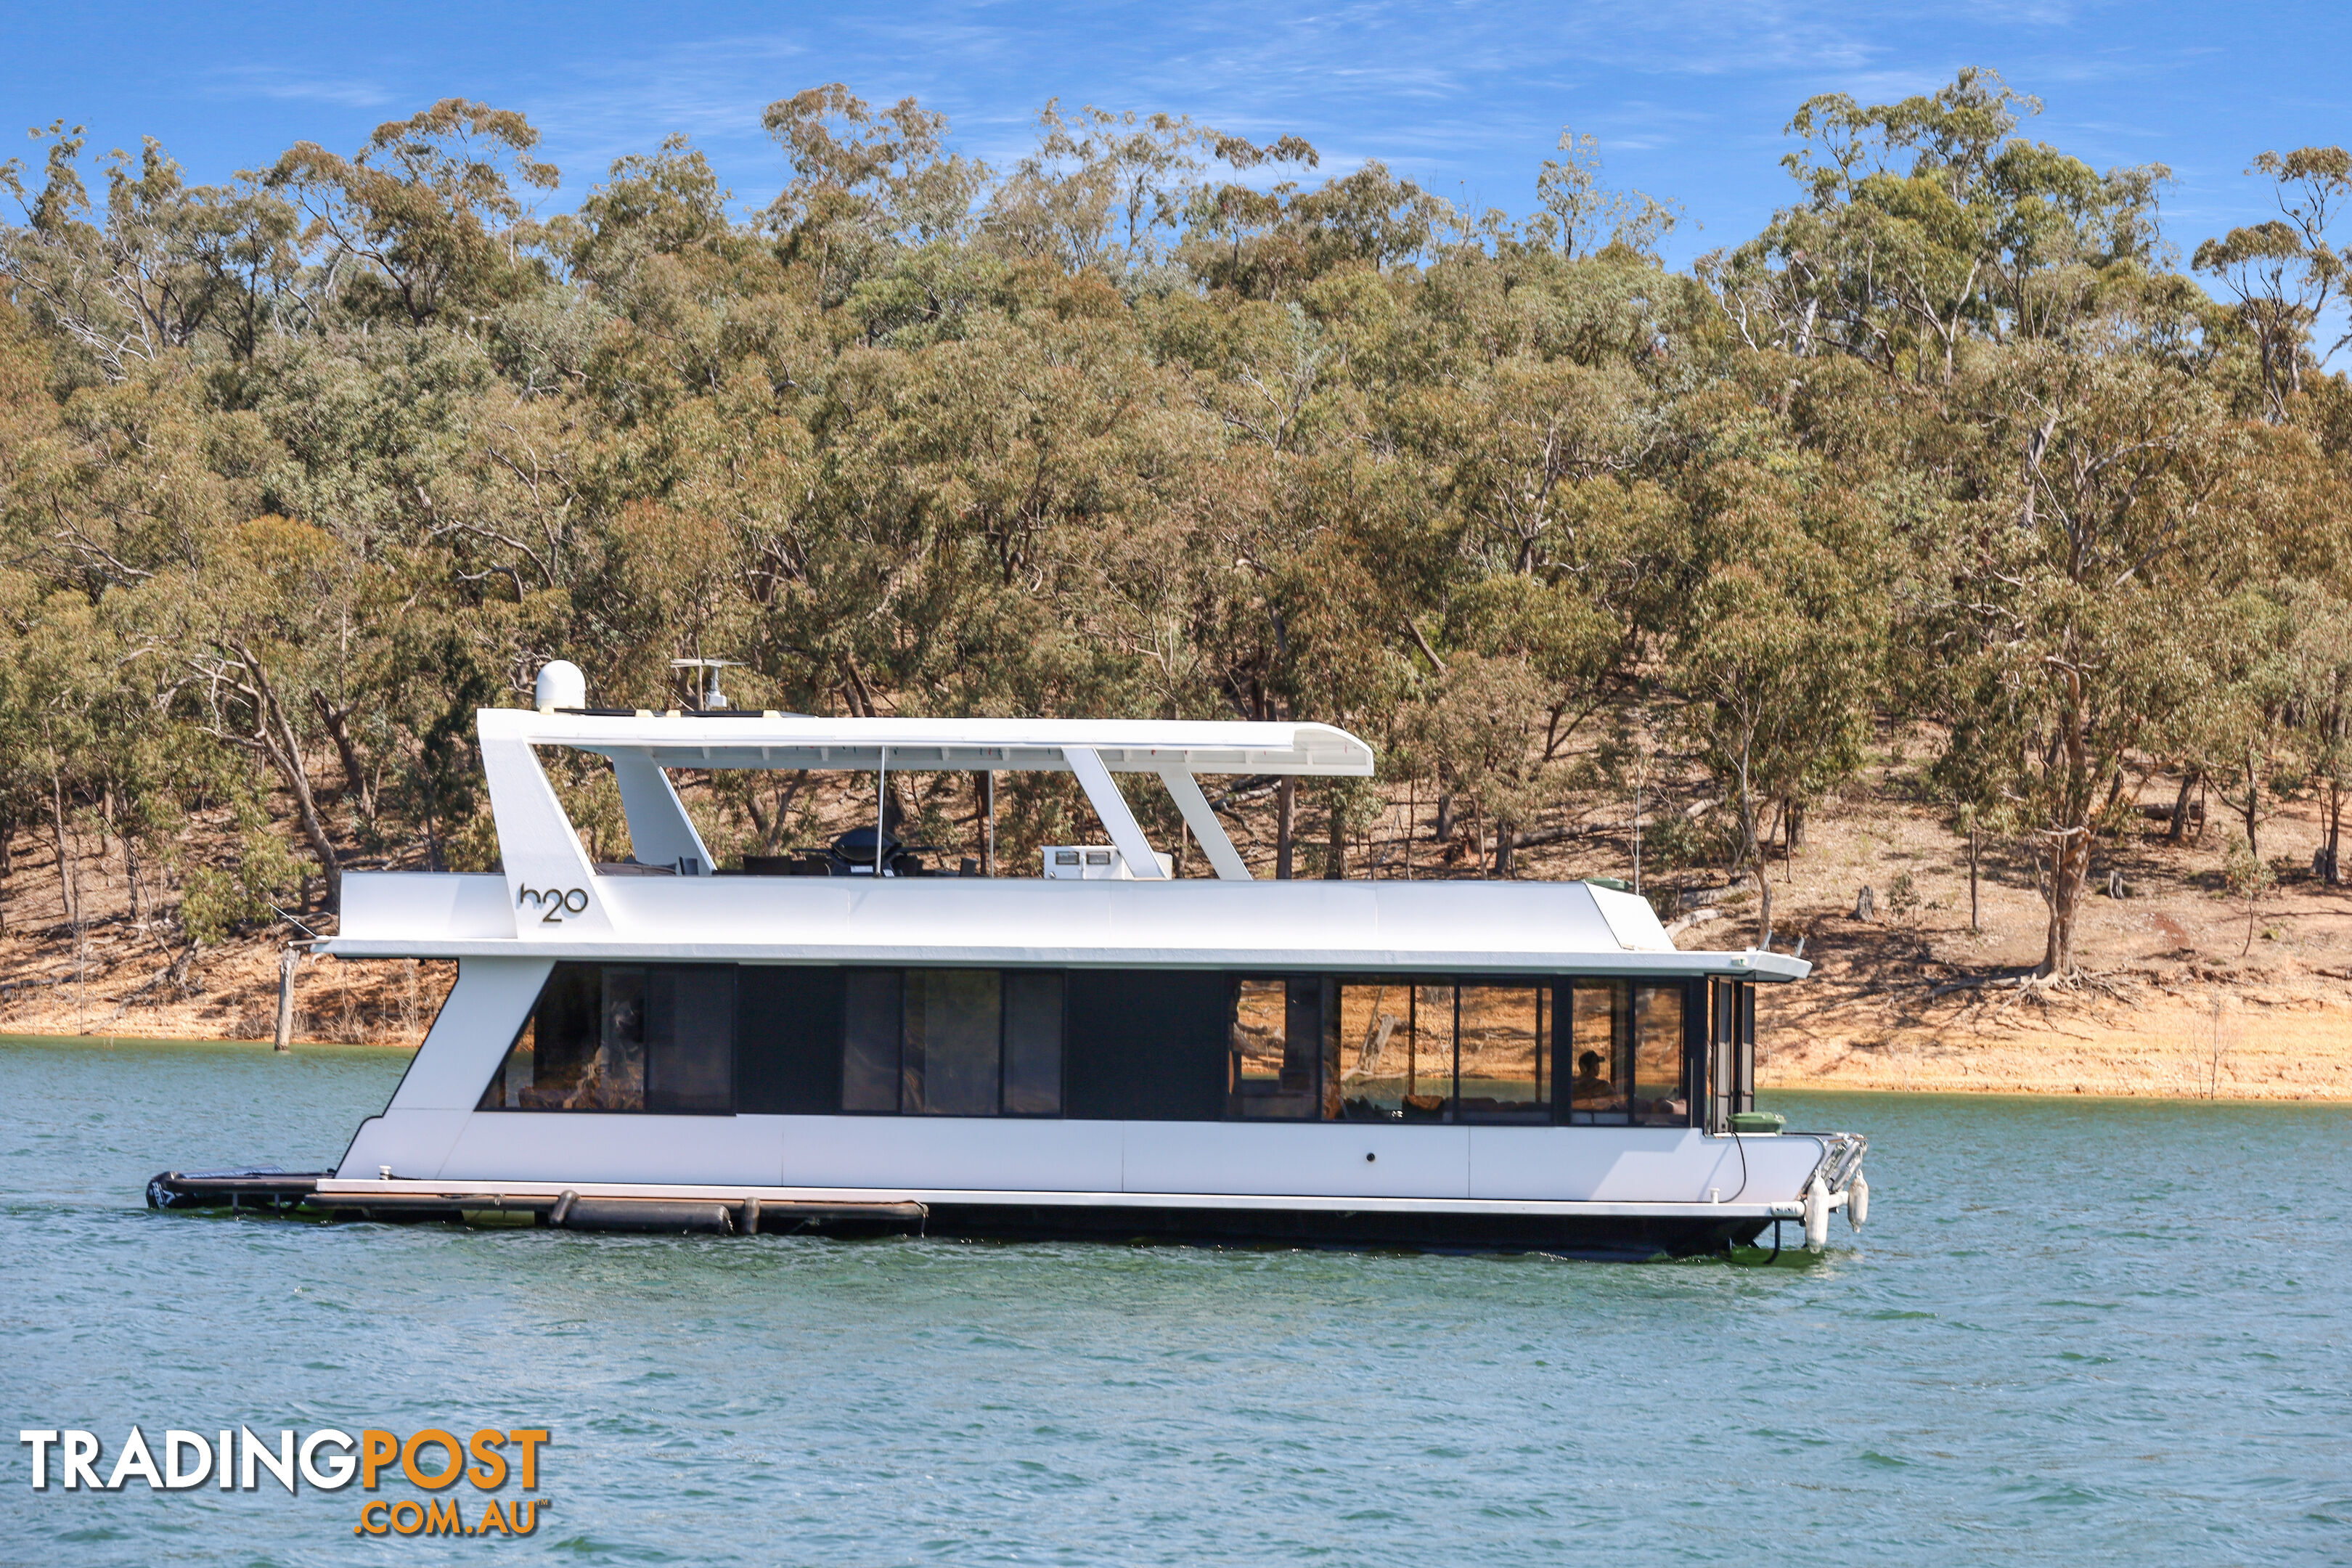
<point x="561" y="685"/>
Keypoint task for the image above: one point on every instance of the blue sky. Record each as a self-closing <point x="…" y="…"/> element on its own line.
<point x="1687" y="97"/>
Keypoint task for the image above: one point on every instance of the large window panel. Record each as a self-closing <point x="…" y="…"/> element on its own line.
<point x="1276" y="1046"/>
<point x="1396" y="1050"/>
<point x="1375" y="1039"/>
<point x="1503" y="1054"/>
<point x="624" y="1037"/>
<point x="953" y="1042"/>
<point x="954" y="1031"/>
<point x="1744" y="1097"/>
<point x="689" y="1013"/>
<point x="788" y="1055"/>
<point x="1661" y="1062"/>
<point x="1148" y="1045"/>
<point x="1032" y="1043"/>
<point x="1600" y="1068"/>
<point x="1722" y="1052"/>
<point x="870" y="1054"/>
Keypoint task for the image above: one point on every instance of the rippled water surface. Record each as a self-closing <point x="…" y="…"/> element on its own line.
<point x="2076" y="1330"/>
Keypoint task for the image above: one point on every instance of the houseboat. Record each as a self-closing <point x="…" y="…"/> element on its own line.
<point x="869" y="1039"/>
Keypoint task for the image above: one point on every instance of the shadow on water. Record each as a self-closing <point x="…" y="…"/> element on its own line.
<point x="2073" y="1330"/>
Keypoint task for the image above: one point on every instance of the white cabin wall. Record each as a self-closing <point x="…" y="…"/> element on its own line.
<point x="581" y="1146"/>
<point x="469" y="1038"/>
<point x="409" y="1144"/>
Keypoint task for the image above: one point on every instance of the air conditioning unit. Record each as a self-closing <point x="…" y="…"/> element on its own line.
<point x="1093" y="863"/>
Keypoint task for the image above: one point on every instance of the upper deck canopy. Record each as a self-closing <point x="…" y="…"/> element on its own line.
<point x="742" y="739"/>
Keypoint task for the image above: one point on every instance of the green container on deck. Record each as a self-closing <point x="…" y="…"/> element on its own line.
<point x="1757" y="1121"/>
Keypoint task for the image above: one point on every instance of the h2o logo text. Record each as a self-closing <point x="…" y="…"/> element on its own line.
<point x="556" y="902"/>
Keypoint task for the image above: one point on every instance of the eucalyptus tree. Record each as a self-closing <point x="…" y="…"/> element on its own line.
<point x="166" y="268"/>
<point x="1774" y="621"/>
<point x="2319" y="664"/>
<point x="2286" y="273"/>
<point x="1102" y="190"/>
<point x="1924" y="225"/>
<point x="427" y="216"/>
<point x="2072" y="597"/>
<point x="866" y="184"/>
<point x="1581" y="215"/>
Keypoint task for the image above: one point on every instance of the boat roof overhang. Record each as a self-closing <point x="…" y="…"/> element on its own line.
<point x="746" y="740"/>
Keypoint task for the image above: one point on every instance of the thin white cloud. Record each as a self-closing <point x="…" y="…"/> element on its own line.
<point x="261" y="81"/>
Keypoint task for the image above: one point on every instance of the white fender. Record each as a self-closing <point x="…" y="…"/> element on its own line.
<point x="1817" y="1216"/>
<point x="1857" y="1203"/>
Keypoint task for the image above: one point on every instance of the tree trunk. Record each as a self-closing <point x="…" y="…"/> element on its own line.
<point x="279" y="744"/>
<point x="2179" y="832"/>
<point x="1763" y="874"/>
<point x="1975" y="924"/>
<point x="1795" y="817"/>
<point x="1411" y="823"/>
<point x="2334" y="875"/>
<point x="1504" y="834"/>
<point x="2254" y="803"/>
<point x="1285" y="809"/>
<point x="1444" y="828"/>
<point x="68" y="895"/>
<point x="356" y="788"/>
<point x="2070" y="863"/>
<point x="286" y="962"/>
<point x="1335" y="865"/>
<point x="2074" y="790"/>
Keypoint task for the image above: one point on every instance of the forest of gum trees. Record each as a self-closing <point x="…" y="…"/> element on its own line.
<point x="297" y="471"/>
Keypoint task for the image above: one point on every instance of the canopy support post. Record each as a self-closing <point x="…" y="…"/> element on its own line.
<point x="661" y="831"/>
<point x="1185" y="790"/>
<point x="1117" y="819"/>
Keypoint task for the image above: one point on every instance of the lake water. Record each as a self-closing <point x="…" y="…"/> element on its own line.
<point x="2076" y="1330"/>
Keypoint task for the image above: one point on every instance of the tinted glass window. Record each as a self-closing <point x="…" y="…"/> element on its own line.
<point x="621" y="1037"/>
<point x="1374" y="1045"/>
<point x="1599" y="1051"/>
<point x="1396" y="1052"/>
<point x="690" y="1029"/>
<point x="952" y="1042"/>
<point x="1722" y="1052"/>
<point x="1148" y="1045"/>
<point x="1659" y="1095"/>
<point x="1033" y="1044"/>
<point x="1503" y="1054"/>
<point x="869" y="1056"/>
<point x="1277" y="1049"/>
<point x="1744" y="1094"/>
<point x="954" y="1027"/>
<point x="788" y="1039"/>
